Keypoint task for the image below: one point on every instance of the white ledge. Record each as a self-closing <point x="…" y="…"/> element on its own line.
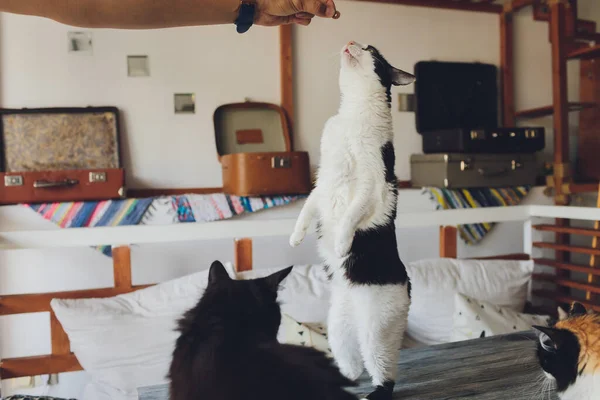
<point x="143" y="234"/>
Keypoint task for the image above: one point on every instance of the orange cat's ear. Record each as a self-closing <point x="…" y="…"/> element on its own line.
<point x="577" y="309"/>
<point x="562" y="314"/>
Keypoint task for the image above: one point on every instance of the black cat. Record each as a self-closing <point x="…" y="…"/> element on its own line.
<point x="228" y="348"/>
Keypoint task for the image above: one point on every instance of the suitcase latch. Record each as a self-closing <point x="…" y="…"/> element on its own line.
<point x="465" y="165"/>
<point x="477" y="135"/>
<point x="516" y="165"/>
<point x="13" y="180"/>
<point x="281" y="162"/>
<point x="97" y="177"/>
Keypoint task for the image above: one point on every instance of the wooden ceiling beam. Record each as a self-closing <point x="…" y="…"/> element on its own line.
<point x="485" y="7"/>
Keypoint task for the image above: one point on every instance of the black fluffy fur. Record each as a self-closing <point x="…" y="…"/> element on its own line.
<point x="228" y="348"/>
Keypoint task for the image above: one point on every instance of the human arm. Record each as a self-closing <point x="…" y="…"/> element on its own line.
<point x="155" y="14"/>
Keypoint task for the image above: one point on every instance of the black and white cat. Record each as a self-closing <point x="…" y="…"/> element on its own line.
<point x="355" y="203"/>
<point x="228" y="348"/>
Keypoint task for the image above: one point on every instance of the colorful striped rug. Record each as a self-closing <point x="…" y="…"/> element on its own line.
<point x="155" y="211"/>
<point x="472" y="234"/>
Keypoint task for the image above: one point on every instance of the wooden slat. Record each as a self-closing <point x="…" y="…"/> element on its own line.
<point x="122" y="267"/>
<point x="243" y="255"/>
<point x="567" y="267"/>
<point x="567" y="248"/>
<point x="448" y="242"/>
<point x="567" y="283"/>
<point x="549" y="110"/>
<point x="442" y="4"/>
<point x="507" y="66"/>
<point x="40" y="302"/>
<point x="38" y="365"/>
<point x="516" y="5"/>
<point x="58" y="337"/>
<point x="564" y="299"/>
<point x="143" y="193"/>
<point x="287" y="73"/>
<point x="567" y="229"/>
<point x="587" y="53"/>
<point x="515" y="257"/>
<point x="575" y="188"/>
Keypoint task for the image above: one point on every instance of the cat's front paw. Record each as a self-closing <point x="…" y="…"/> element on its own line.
<point x="297" y="238"/>
<point x="343" y="244"/>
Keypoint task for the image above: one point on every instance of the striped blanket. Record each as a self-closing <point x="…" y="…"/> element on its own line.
<point x="472" y="234"/>
<point x="154" y="211"/>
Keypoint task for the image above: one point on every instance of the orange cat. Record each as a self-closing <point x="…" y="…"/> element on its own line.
<point x="569" y="353"/>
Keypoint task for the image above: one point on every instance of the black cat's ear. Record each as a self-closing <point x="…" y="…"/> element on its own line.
<point x="550" y="338"/>
<point x="275" y="279"/>
<point x="217" y="273"/>
<point x="401" y="78"/>
<point x="577" y="309"/>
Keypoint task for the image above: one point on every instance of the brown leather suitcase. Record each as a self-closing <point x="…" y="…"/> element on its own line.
<point x="60" y="154"/>
<point x="255" y="150"/>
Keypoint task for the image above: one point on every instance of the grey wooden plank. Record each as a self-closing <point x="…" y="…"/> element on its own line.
<point x="495" y="368"/>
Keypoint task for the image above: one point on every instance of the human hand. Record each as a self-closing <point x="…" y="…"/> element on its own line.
<point x="301" y="12"/>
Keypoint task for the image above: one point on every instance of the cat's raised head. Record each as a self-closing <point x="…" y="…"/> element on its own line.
<point x="234" y="306"/>
<point x="364" y="68"/>
<point x="570" y="347"/>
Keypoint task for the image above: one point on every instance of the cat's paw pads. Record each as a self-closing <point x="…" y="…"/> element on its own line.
<point x="296" y="238"/>
<point x="343" y="245"/>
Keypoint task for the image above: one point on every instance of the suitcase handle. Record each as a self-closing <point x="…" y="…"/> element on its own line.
<point x="492" y="172"/>
<point x="57" y="184"/>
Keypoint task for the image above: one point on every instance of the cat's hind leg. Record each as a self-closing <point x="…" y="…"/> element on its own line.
<point x="343" y="335"/>
<point x="382" y="313"/>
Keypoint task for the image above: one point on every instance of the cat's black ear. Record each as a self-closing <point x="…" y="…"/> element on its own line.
<point x="217" y="273"/>
<point x="551" y="338"/>
<point x="401" y="78"/>
<point x="577" y="309"/>
<point x="275" y="279"/>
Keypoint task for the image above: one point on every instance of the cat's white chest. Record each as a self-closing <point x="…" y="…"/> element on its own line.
<point x="587" y="387"/>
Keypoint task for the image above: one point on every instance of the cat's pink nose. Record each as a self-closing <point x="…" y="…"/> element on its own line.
<point x="350" y="43"/>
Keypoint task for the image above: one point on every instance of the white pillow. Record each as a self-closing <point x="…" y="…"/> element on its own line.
<point x="474" y="319"/>
<point x="304" y="334"/>
<point x="126" y="342"/>
<point x="436" y="281"/>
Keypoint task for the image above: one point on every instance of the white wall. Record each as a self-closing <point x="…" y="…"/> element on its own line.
<point x="162" y="149"/>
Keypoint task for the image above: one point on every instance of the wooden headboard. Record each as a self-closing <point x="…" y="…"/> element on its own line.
<point x="61" y="359"/>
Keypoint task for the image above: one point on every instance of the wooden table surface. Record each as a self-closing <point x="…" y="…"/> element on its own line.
<point x="495" y="368"/>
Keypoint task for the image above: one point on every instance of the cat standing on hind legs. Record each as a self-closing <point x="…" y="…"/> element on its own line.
<point x="354" y="202"/>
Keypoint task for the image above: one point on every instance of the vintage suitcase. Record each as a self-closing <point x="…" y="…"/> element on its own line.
<point x="457" y="111"/>
<point x="255" y="150"/>
<point x="60" y="154"/>
<point x="496" y="141"/>
<point x="453" y="171"/>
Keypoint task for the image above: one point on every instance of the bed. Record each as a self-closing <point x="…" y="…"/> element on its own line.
<point x="66" y="338"/>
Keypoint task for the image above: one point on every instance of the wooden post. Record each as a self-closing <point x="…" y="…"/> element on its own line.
<point x="507" y="65"/>
<point x="593" y="258"/>
<point x="243" y="255"/>
<point x="122" y="267"/>
<point x="448" y="242"/>
<point x="287" y="70"/>
<point x="558" y="34"/>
